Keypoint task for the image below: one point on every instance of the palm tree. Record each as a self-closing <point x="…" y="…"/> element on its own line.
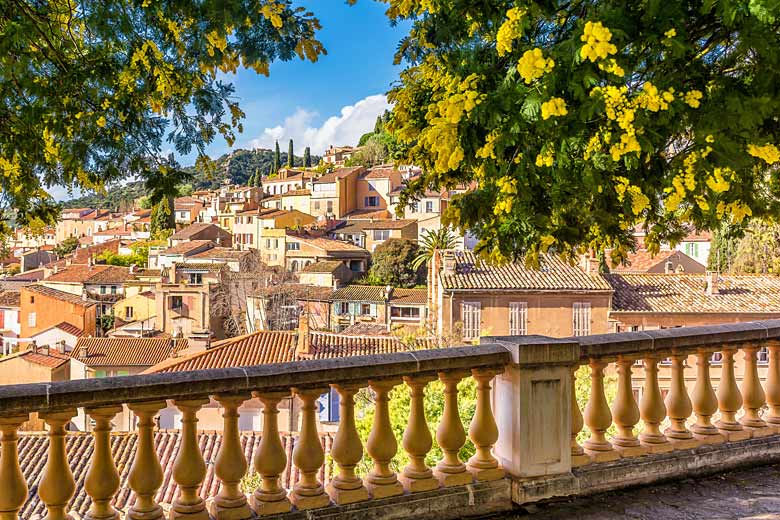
<point x="431" y="242"/>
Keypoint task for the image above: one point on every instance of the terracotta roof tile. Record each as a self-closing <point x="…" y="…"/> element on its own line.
<point x="91" y="274"/>
<point x="70" y="329"/>
<point x="59" y="295"/>
<point x="680" y="293"/>
<point x="27" y="276"/>
<point x="222" y="253"/>
<point x="10" y="299"/>
<point x="187" y="247"/>
<point x="642" y="261"/>
<point x="409" y="296"/>
<point x="50" y="359"/>
<point x="366" y="329"/>
<point x="553" y="275"/>
<point x="193" y="229"/>
<point x="304" y="292"/>
<point x="326" y="244"/>
<point x="125" y="351"/>
<point x="364" y="293"/>
<point x="338" y="174"/>
<point x="389" y="224"/>
<point x="323" y="266"/>
<point x="367" y="214"/>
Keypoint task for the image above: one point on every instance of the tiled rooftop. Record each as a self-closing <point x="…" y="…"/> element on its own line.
<point x="187" y="247"/>
<point x="327" y="245"/>
<point x="364" y="293"/>
<point x="9" y="298"/>
<point x="642" y="261"/>
<point x="125" y="351"/>
<point x="59" y="295"/>
<point x="389" y="224"/>
<point x="222" y="253"/>
<point x="323" y="266"/>
<point x="193" y="229"/>
<point x="91" y="274"/>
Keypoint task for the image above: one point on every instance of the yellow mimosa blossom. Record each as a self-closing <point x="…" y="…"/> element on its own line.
<point x="533" y="65"/>
<point x="597" y="42"/>
<point x="101" y="122"/>
<point x="768" y="152"/>
<point x="510" y="30"/>
<point x="693" y="98"/>
<point x="554" y="107"/>
<point x="671" y="33"/>
<point x="545" y="158"/>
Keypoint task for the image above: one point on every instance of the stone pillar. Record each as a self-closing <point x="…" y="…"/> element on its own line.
<point x="347" y="451"/>
<point x="652" y="409"/>
<point x="532" y="400"/>
<point x="381" y="446"/>
<point x="729" y="399"/>
<point x="308" y="456"/>
<point x="230" y="466"/>
<point x="753" y="397"/>
<point x="270" y="460"/>
<point x="146" y="474"/>
<point x="483" y="430"/>
<point x="189" y="469"/>
<point x="578" y="455"/>
<point x="57" y="486"/>
<point x="678" y="406"/>
<point x="626" y="412"/>
<point x="597" y="416"/>
<point x="102" y="480"/>
<point x="417" y="439"/>
<point x="773" y="384"/>
<point x="705" y="402"/>
<point x="451" y="436"/>
<point x="14" y="486"/>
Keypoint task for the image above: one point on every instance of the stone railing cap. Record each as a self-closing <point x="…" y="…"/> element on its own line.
<point x="537" y="350"/>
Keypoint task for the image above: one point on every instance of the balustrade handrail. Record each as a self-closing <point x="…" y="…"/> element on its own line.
<point x="91" y="393"/>
<point x="681" y="338"/>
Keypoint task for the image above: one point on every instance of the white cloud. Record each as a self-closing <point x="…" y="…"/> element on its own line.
<point x="346" y="129"/>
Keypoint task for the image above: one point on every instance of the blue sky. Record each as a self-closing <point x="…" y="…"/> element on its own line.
<point x="332" y="101"/>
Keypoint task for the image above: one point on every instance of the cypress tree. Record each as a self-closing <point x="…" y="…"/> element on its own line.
<point x="251" y="180"/>
<point x="162" y="217"/>
<point x="258" y="178"/>
<point x="277" y="158"/>
<point x="290" y="155"/>
<point x="307" y="157"/>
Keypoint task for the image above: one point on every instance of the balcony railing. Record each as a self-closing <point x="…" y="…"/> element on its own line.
<point x="531" y="438"/>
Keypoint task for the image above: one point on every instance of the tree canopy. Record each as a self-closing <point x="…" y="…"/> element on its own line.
<point x="391" y="264"/>
<point x="89" y="91"/>
<point x="576" y="122"/>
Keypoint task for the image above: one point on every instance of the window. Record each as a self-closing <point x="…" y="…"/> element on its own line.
<point x="176" y="302"/>
<point x="343" y="307"/>
<point x="429" y="206"/>
<point x="32" y="299"/>
<point x="128" y="312"/>
<point x="365" y="309"/>
<point x="518" y="319"/>
<point x="763" y="356"/>
<point x="405" y="312"/>
<point x="581" y="318"/>
<point x="316" y="204"/>
<point x="381" y="234"/>
<point x="293" y="246"/>
<point x="414" y="207"/>
<point x="330" y="206"/>
<point x="692" y="249"/>
<point x="113" y="289"/>
<point x="716" y="358"/>
<point x="471" y="313"/>
<point x="31" y="319"/>
<point x="102" y="289"/>
<point x="196" y="278"/>
<point x="372" y="201"/>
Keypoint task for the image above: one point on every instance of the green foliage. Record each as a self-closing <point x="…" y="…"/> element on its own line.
<point x="139" y="256"/>
<point x="376" y="147"/>
<point x="90" y="92"/>
<point x="250" y="482"/>
<point x="163" y="220"/>
<point x="391" y="264"/>
<point x="307" y="157"/>
<point x="754" y="251"/>
<point x="576" y="122"/>
<point x="277" y="158"/>
<point x="144" y="202"/>
<point x="106" y="322"/>
<point x="582" y="385"/>
<point x="66" y="247"/>
<point x="290" y="154"/>
<point x="13" y="269"/>
<point x="432" y="241"/>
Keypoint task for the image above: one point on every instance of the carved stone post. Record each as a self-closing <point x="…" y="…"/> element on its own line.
<point x="270" y="460"/>
<point x="753" y="397"/>
<point x="626" y="412"/>
<point x="705" y="402"/>
<point x="189" y="469"/>
<point x="57" y="486"/>
<point x="483" y="430"/>
<point x="102" y="480"/>
<point x="598" y="417"/>
<point x="230" y="466"/>
<point x="14" y="486"/>
<point x="451" y="436"/>
<point x="308" y="455"/>
<point x="578" y="455"/>
<point x="417" y="439"/>
<point x="146" y="474"/>
<point x="347" y="451"/>
<point x="652" y="409"/>
<point x="679" y="406"/>
<point x="729" y="399"/>
<point x="773" y="384"/>
<point x="381" y="446"/>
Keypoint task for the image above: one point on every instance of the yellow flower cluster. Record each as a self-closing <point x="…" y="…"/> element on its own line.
<point x="693" y="98"/>
<point x="508" y="188"/>
<point x="488" y="150"/>
<point x="671" y="33"/>
<point x="510" y="30"/>
<point x="768" y="152"/>
<point x="533" y="65"/>
<point x="611" y="66"/>
<point x="271" y="11"/>
<point x="650" y="99"/>
<point x="719" y="180"/>
<point x="737" y="210"/>
<point x="597" y="42"/>
<point x="545" y="158"/>
<point x="639" y="201"/>
<point x="554" y="107"/>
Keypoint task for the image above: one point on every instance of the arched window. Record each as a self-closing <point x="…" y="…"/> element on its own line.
<point x="294" y="265"/>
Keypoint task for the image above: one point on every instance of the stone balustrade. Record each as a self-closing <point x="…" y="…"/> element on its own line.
<point x="524" y="429"/>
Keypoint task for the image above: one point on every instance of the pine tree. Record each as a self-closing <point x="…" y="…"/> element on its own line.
<point x="290" y="155"/>
<point x="307" y="157"/>
<point x="277" y="159"/>
<point x="162" y="218"/>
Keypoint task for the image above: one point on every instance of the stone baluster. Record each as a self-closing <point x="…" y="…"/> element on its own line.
<point x="773" y="384"/>
<point x="451" y="436"/>
<point x="678" y="406"/>
<point x="14" y="487"/>
<point x="102" y="480"/>
<point x="270" y="459"/>
<point x="652" y="409"/>
<point x="146" y="474"/>
<point x="625" y="412"/>
<point x="57" y="485"/>
<point x="483" y="430"/>
<point x="347" y="451"/>
<point x="308" y="455"/>
<point x="753" y="397"/>
<point x="578" y="456"/>
<point x="598" y="417"/>
<point x="381" y="446"/>
<point x="729" y="399"/>
<point x="230" y="466"/>
<point x="189" y="469"/>
<point x="704" y="400"/>
<point x="417" y="440"/>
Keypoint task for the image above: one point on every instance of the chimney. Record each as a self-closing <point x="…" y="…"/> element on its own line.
<point x="44" y="349"/>
<point x="61" y="347"/>
<point x="712" y="283"/>
<point x="668" y="267"/>
<point x="56" y="269"/>
<point x="83" y="352"/>
<point x="388" y="292"/>
<point x="34" y="346"/>
<point x="449" y="262"/>
<point x="303" y="349"/>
